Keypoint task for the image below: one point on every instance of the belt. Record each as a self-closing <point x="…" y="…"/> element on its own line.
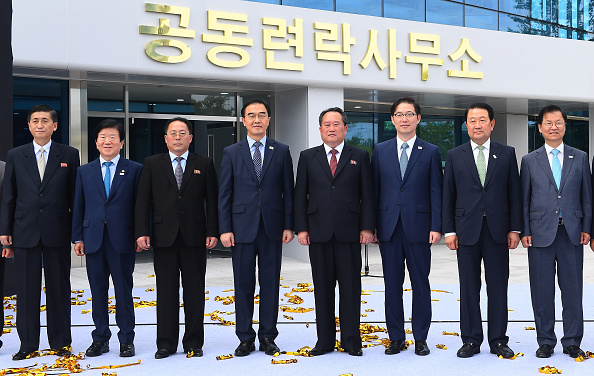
<point x="561" y="222"/>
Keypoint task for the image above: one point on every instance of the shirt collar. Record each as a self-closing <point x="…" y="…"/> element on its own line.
<point x="46" y="147"/>
<point x="548" y="148"/>
<point x="115" y="160"/>
<point x="487" y="145"/>
<point x="410" y="142"/>
<point x="184" y="155"/>
<point x="339" y="148"/>
<point x="251" y="141"/>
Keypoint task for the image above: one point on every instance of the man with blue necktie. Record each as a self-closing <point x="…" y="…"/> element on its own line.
<point x="103" y="231"/>
<point x="557" y="198"/>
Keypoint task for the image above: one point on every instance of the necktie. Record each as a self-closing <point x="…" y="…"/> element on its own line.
<point x="556" y="167"/>
<point x="179" y="172"/>
<point x="257" y="159"/>
<point x="403" y="159"/>
<point x="481" y="165"/>
<point x="41" y="163"/>
<point x="333" y="161"/>
<point x="107" y="177"/>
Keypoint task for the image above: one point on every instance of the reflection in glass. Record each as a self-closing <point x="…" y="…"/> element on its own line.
<point x="102" y="96"/>
<point x="440" y="131"/>
<point x="266" y="1"/>
<point x="405" y="9"/>
<point x="368" y="7"/>
<point x="445" y="12"/>
<point x="480" y="18"/>
<point x="491" y="4"/>
<point x="514" y="24"/>
<point x="360" y="131"/>
<point x="519" y="7"/>
<point x="217" y="105"/>
<point x="542" y="28"/>
<point x="312" y="4"/>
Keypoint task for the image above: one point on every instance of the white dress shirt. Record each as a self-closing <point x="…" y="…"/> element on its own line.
<point x="561" y="149"/>
<point x="329" y="154"/>
<point x="251" y="143"/>
<point x="46" y="150"/>
<point x="112" y="168"/>
<point x="410" y="144"/>
<point x="183" y="161"/>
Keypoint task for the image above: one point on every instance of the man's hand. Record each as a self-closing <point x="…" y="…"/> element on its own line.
<point x="434" y="237"/>
<point x="527" y="241"/>
<point x="585" y="238"/>
<point x="144" y="242"/>
<point x="6" y="239"/>
<point x="452" y="242"/>
<point x="79" y="248"/>
<point x="303" y="237"/>
<point x="7" y="252"/>
<point x="374" y="240"/>
<point x="365" y="236"/>
<point x="288" y="236"/>
<point x="211" y="242"/>
<point x="513" y="239"/>
<point x="228" y="239"/>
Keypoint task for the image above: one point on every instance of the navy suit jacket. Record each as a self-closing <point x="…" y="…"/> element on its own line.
<point x="465" y="201"/>
<point x="416" y="198"/>
<point x="93" y="210"/>
<point x="242" y="198"/>
<point x="542" y="200"/>
<point x="34" y="210"/>
<point x="341" y="205"/>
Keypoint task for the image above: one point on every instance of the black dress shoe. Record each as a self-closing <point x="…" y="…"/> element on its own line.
<point x="421" y="348"/>
<point x="503" y="350"/>
<point x="356" y="352"/>
<point x="1" y="343"/>
<point x="468" y="349"/>
<point x="20" y="355"/>
<point x="245" y="348"/>
<point x="574" y="351"/>
<point x="268" y="346"/>
<point x="127" y="350"/>
<point x="162" y="354"/>
<point x="544" y="351"/>
<point x="97" y="348"/>
<point x="194" y="352"/>
<point x="63" y="351"/>
<point x="315" y="351"/>
<point x="394" y="347"/>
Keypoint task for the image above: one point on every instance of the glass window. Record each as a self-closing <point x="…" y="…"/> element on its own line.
<point x="539" y="10"/>
<point x="105" y="97"/>
<point x="265" y="1"/>
<point x="480" y="18"/>
<point x="405" y="9"/>
<point x="576" y="135"/>
<point x="360" y="131"/>
<point x="313" y="4"/>
<point x="562" y="17"/>
<point x="542" y="28"/>
<point x="385" y="129"/>
<point x="513" y="24"/>
<point x="368" y="7"/>
<point x="519" y="7"/>
<point x="440" y="131"/>
<point x="491" y="4"/>
<point x="445" y="12"/>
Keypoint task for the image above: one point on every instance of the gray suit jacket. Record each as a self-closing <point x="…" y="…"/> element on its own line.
<point x="542" y="200"/>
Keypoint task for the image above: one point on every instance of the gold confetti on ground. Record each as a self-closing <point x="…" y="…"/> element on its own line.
<point x="364" y="315"/>
<point x="408" y="331"/>
<point x="150" y="289"/>
<point x="363" y="302"/>
<point x="86" y="311"/>
<point x="307" y="325"/>
<point x="9" y="317"/>
<point x="114" y="366"/>
<point x="530" y="328"/>
<point x="549" y="370"/>
<point x="6" y="331"/>
<point x="441" y="346"/>
<point x="370" y="310"/>
<point x="451" y="334"/>
<point x="295" y="299"/>
<point x="109" y="374"/>
<point x="227" y="290"/>
<point x="225" y="299"/>
<point x="151" y="276"/>
<point x="346" y="374"/>
<point x="581" y="358"/>
<point x="435" y="300"/>
<point x="224" y="357"/>
<point x="513" y="357"/>
<point x="447" y="292"/>
<point x="283" y="361"/>
<point x="285" y="287"/>
<point x="288" y="317"/>
<point x="46" y="352"/>
<point x="304" y="351"/>
<point x="215" y="317"/>
<point x="145" y="303"/>
<point x="510" y="310"/>
<point x="405" y="290"/>
<point x="295" y="309"/>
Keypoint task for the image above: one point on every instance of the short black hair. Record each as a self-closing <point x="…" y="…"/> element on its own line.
<point x="548" y="109"/>
<point x="43" y="108"/>
<point x="482" y="106"/>
<point x="110" y="123"/>
<point x="333" y="109"/>
<point x="408" y="100"/>
<point x="256" y="101"/>
<point x="179" y="118"/>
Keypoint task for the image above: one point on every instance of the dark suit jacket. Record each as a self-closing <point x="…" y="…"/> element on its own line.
<point x="92" y="209"/>
<point x="465" y="201"/>
<point x="177" y="210"/>
<point x="242" y="197"/>
<point x="39" y="210"/>
<point x="416" y="198"/>
<point x="341" y="206"/>
<point x="542" y="200"/>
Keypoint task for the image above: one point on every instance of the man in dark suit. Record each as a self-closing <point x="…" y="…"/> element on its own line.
<point x="181" y="189"/>
<point x="407" y="182"/>
<point x="255" y="218"/>
<point x="3" y="256"/>
<point x="37" y="197"/>
<point x="334" y="215"/>
<point x="103" y="230"/>
<point x="482" y="219"/>
<point x="557" y="198"/>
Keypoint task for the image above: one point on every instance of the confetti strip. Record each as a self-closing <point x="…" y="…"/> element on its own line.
<point x="441" y="346"/>
<point x="530" y="328"/>
<point x="450" y="334"/>
<point x="513" y="357"/>
<point x="284" y="361"/>
<point x="114" y="366"/>
<point x="224" y="357"/>
<point x="549" y="370"/>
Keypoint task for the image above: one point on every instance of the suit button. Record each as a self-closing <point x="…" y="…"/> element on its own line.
<point x="556" y="211"/>
<point x="178" y="196"/>
<point x="41" y="210"/>
<point x="259" y="190"/>
<point x="258" y="208"/>
<point x="106" y="205"/>
<point x="558" y="196"/>
<point x="333" y="187"/>
<point x="102" y="220"/>
<point x="398" y="204"/>
<point x="482" y="208"/>
<point x="41" y="195"/>
<point x="484" y="192"/>
<point x="401" y="190"/>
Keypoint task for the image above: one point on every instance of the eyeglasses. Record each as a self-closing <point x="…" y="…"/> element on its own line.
<point x="400" y="115"/>
<point x="180" y="134"/>
<point x="481" y="121"/>
<point x="260" y="116"/>
<point x="549" y="124"/>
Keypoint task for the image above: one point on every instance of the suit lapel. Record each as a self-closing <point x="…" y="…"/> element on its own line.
<point x="493" y="156"/>
<point x="344" y="159"/>
<point x="97" y="177"/>
<point x="190" y="167"/>
<point x="415" y="153"/>
<point x="31" y="164"/>
<point x="268" y="154"/>
<point x="393" y="158"/>
<point x="118" y="177"/>
<point x="323" y="160"/>
<point x="468" y="158"/>
<point x="53" y="159"/>
<point x="568" y="157"/>
<point x="166" y="165"/>
<point x="543" y="160"/>
<point x="244" y="151"/>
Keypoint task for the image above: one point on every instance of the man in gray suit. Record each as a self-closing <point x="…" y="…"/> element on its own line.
<point x="557" y="207"/>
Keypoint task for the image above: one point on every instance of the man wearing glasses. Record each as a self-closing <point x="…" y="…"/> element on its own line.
<point x="408" y="182"/>
<point x="255" y="218"/>
<point x="557" y="198"/>
<point x="482" y="219"/>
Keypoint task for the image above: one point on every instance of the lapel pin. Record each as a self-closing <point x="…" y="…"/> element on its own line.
<point x="570" y="156"/>
<point x="197" y="172"/>
<point x="122" y="172"/>
<point x="63" y="164"/>
<point x="353" y="162"/>
<point x="420" y="147"/>
<point x="271" y="147"/>
<point x="494" y="156"/>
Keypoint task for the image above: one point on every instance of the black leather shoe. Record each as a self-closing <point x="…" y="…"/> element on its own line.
<point x="268" y="346"/>
<point x="245" y="348"/>
<point x="1" y="343"/>
<point x="468" y="349"/>
<point x="503" y="350"/>
<point x="315" y="351"/>
<point x="544" y="351"/>
<point x="356" y="352"/>
<point x="20" y="355"/>
<point x="394" y="347"/>
<point x="421" y="348"/>
<point x="127" y="350"/>
<point x="63" y="351"/>
<point x="194" y="352"/>
<point x="162" y="354"/>
<point x="574" y="351"/>
<point x="97" y="348"/>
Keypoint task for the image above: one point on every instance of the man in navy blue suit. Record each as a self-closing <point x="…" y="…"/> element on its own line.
<point x="482" y="220"/>
<point x="35" y="223"/>
<point x="255" y="218"/>
<point x="408" y="183"/>
<point x="103" y="230"/>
